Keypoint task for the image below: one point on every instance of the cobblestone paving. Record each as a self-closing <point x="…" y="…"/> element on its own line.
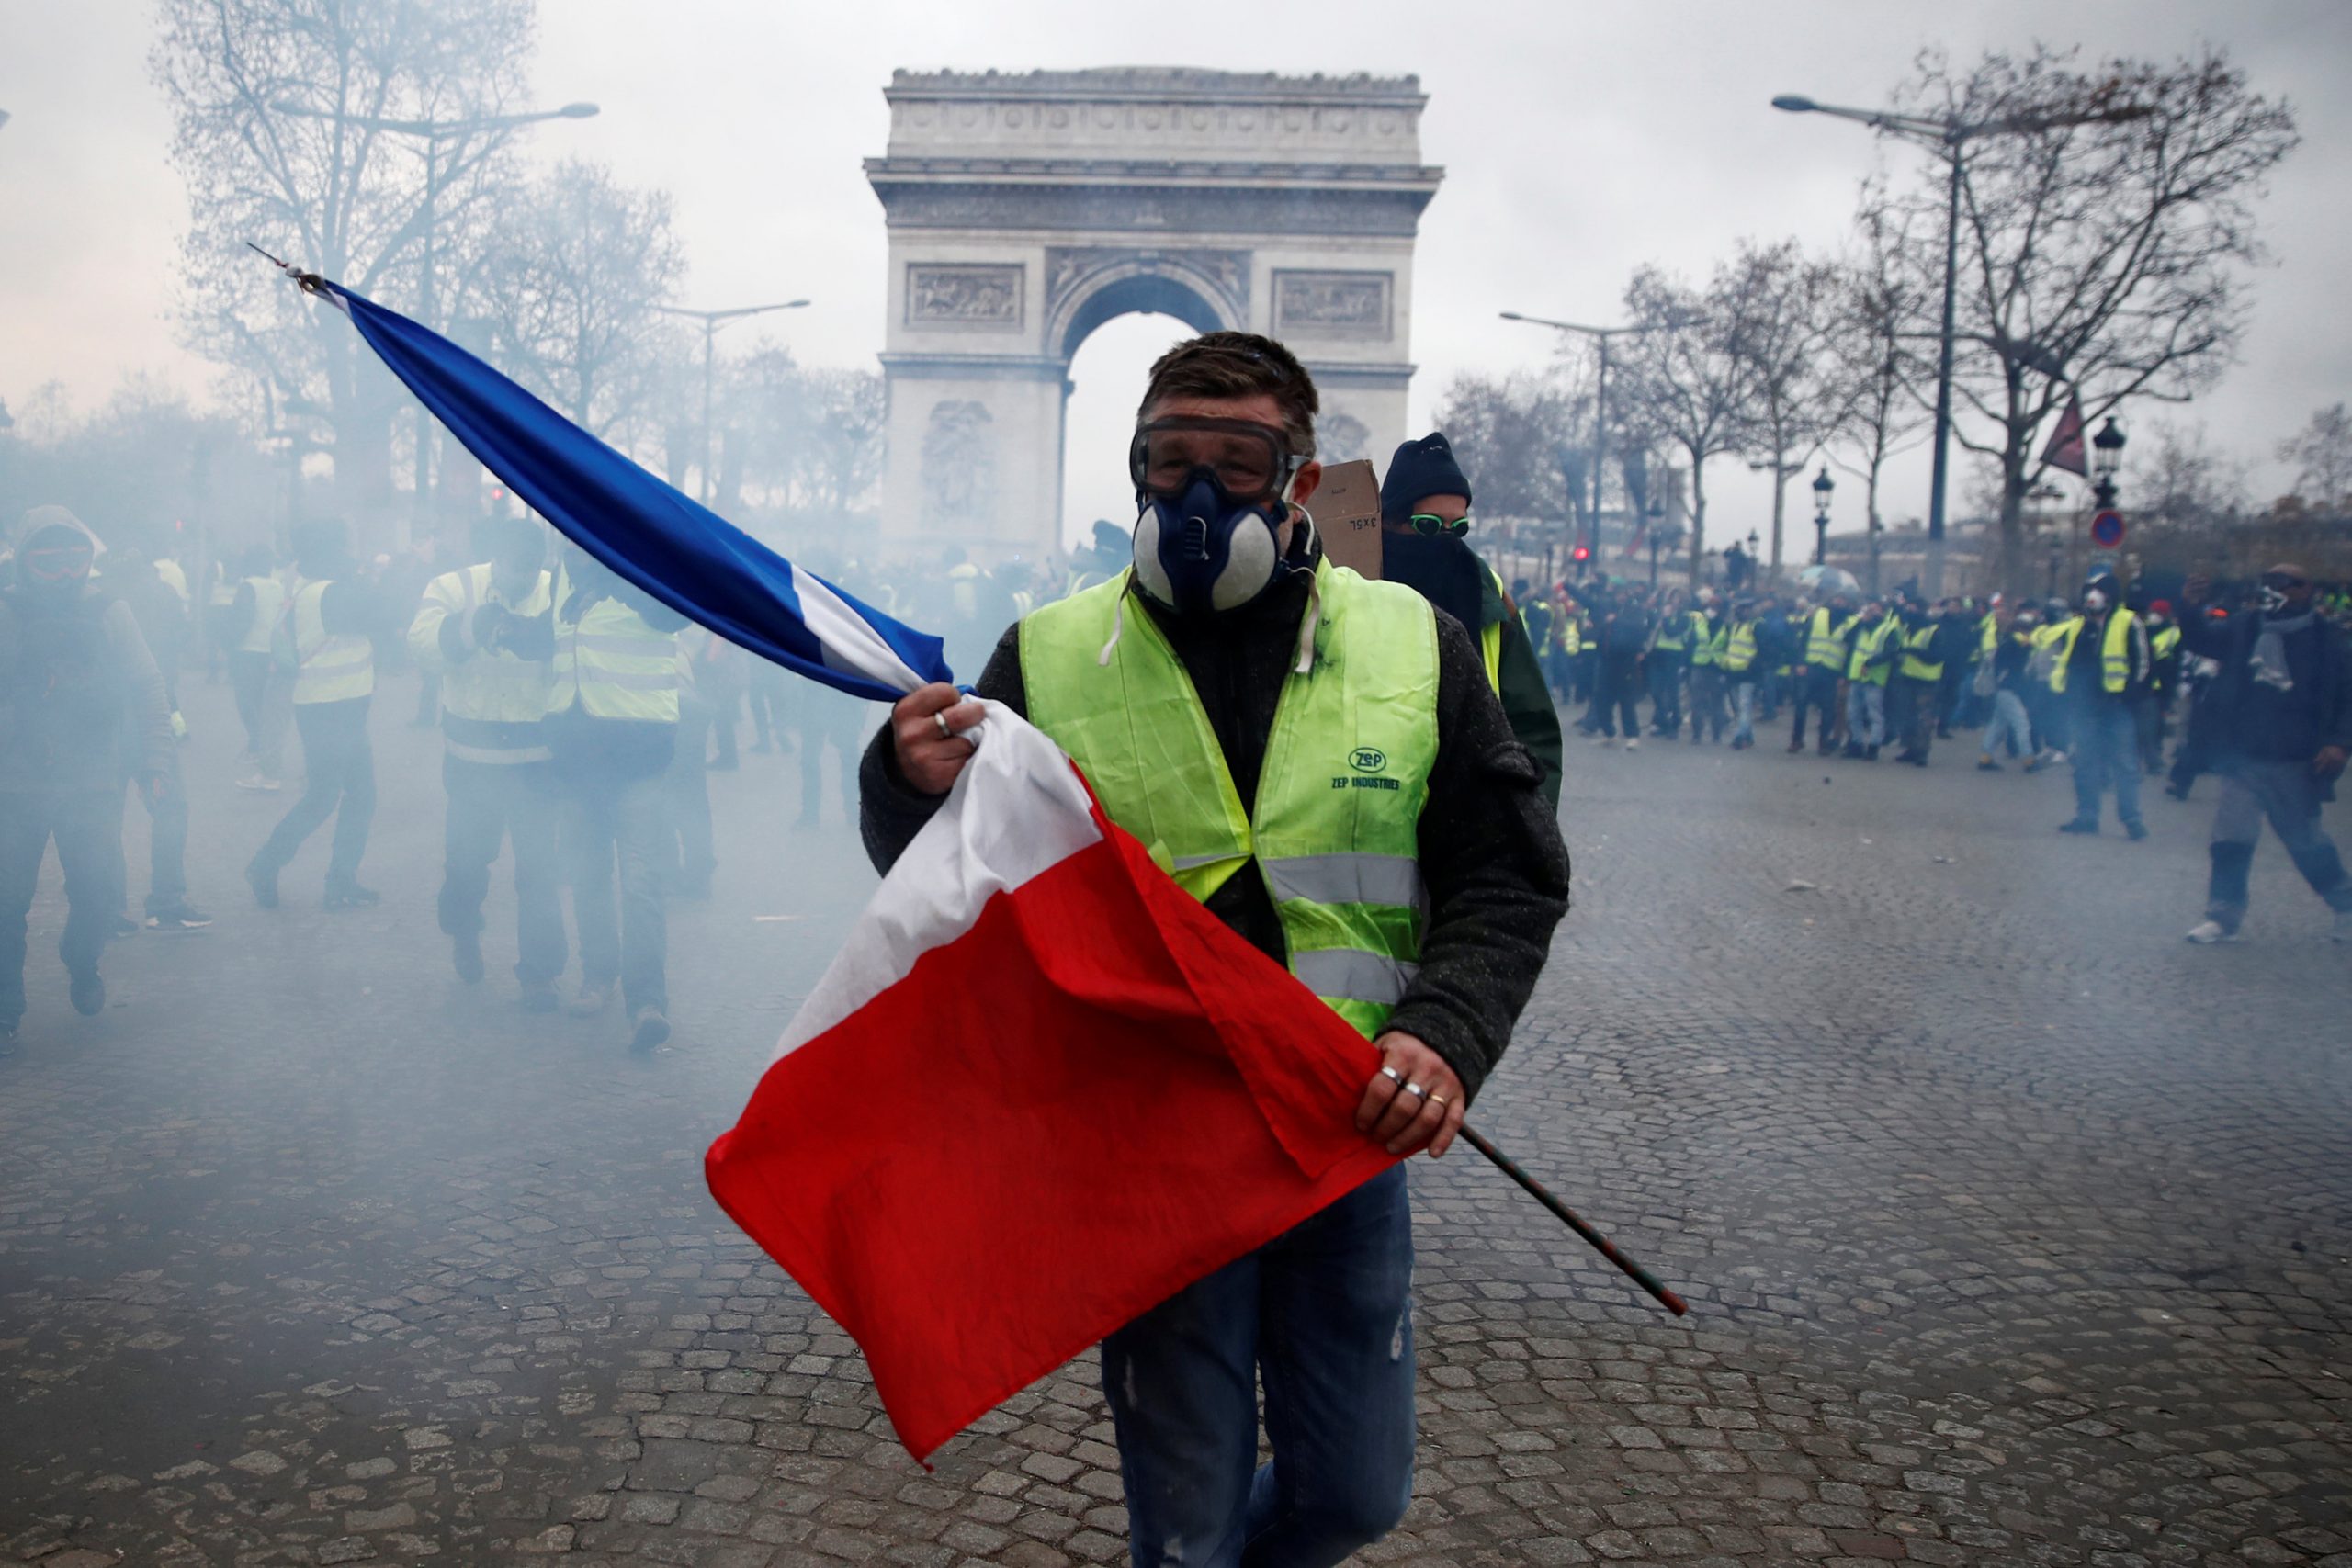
<point x="2015" y="1230"/>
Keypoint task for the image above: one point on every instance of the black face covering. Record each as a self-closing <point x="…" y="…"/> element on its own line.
<point x="1443" y="571"/>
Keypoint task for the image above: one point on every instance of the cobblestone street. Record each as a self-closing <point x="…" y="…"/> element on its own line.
<point x="2015" y="1230"/>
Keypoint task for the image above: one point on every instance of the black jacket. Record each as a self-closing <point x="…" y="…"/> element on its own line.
<point x="1490" y="848"/>
<point x="2255" y="722"/>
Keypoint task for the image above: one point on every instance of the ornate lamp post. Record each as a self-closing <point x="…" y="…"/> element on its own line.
<point x="1822" y="487"/>
<point x="2107" y="456"/>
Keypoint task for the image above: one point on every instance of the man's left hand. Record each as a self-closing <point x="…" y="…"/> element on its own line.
<point x="1414" y="1101"/>
<point x="2329" y="763"/>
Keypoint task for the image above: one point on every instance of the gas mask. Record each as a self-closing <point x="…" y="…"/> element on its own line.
<point x="1212" y="498"/>
<point x="2094" y="600"/>
<point x="2272" y="600"/>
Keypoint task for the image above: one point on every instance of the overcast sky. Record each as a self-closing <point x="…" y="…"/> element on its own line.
<point x="1579" y="141"/>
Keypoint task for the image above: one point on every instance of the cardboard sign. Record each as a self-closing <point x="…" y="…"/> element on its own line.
<point x="1347" y="515"/>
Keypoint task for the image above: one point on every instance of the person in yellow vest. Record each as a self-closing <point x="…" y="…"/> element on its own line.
<point x="1184" y="688"/>
<point x="479" y="630"/>
<point x="256" y="608"/>
<point x="1708" y="718"/>
<point x="1820" y="664"/>
<point x="1869" y="659"/>
<point x="1664" y="662"/>
<point x="1424" y="544"/>
<point x="611" y="730"/>
<point x="1913" y="697"/>
<point x="2099" y="665"/>
<point x="323" y="644"/>
<point x="1738" y="661"/>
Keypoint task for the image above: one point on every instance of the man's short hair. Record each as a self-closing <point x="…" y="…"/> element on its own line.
<point x="1238" y="364"/>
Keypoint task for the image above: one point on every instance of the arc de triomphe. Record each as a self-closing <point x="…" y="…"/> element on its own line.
<point x="1025" y="211"/>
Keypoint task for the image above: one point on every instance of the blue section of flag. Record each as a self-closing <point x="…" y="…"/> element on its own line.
<point x="667" y="544"/>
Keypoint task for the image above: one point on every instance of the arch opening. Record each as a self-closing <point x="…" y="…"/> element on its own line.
<point x="1106" y="379"/>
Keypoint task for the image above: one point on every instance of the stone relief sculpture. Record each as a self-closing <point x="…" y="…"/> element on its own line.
<point x="1341" y="438"/>
<point x="963" y="296"/>
<point x="1354" y="303"/>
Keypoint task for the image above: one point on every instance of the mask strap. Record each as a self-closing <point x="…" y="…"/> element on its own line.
<point x="1118" y="626"/>
<point x="1305" y="663"/>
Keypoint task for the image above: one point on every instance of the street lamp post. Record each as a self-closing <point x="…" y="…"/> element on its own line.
<point x="431" y="133"/>
<point x="1953" y="134"/>
<point x="1822" y="487"/>
<point x="1654" y="516"/>
<point x="1600" y="337"/>
<point x="711" y="321"/>
<point x="2107" y="456"/>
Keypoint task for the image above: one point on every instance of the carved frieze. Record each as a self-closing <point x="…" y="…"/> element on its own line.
<point x="964" y="295"/>
<point x="1068" y="267"/>
<point x="1337" y="304"/>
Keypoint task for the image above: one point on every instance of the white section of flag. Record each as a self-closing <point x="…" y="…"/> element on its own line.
<point x="1017" y="809"/>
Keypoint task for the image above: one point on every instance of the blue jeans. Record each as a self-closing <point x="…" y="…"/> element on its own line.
<point x="2107" y="751"/>
<point x="2007" y="720"/>
<point x="1322" y="1313"/>
<point x="1743" y="698"/>
<point x="1865" y="714"/>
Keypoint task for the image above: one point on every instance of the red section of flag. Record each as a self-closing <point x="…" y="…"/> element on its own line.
<point x="2066" y="449"/>
<point x="1093" y="1096"/>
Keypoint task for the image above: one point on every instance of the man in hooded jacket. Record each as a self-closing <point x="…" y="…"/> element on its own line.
<point x="1424" y="544"/>
<point x="77" y="686"/>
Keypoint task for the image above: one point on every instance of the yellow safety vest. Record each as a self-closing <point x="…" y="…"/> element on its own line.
<point x="1571" y="622"/>
<point x="1827" y="644"/>
<point x="2163" y="641"/>
<point x="1867" y="644"/>
<point x="492" y="703"/>
<point x="1738" y="647"/>
<point x="1703" y="642"/>
<point x="2115" y="654"/>
<point x="612" y="664"/>
<point x="1334" y="828"/>
<point x="1916" y="665"/>
<point x="327" y="669"/>
<point x="270" y="604"/>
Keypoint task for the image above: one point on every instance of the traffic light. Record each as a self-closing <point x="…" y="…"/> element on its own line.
<point x="1582" y="554"/>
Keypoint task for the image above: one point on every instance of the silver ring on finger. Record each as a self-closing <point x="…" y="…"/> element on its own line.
<point x="1414" y="1089"/>
<point x="1392" y="1075"/>
<point x="940" y="718"/>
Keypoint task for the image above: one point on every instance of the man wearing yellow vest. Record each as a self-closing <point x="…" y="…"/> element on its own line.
<point x="1869" y="658"/>
<point x="1234" y="664"/>
<point x="2099" y="666"/>
<point x="611" y="730"/>
<point x="1737" y="651"/>
<point x="323" y="644"/>
<point x="1820" y="664"/>
<point x="472" y="630"/>
<point x="1424" y="544"/>
<point x="1919" y="682"/>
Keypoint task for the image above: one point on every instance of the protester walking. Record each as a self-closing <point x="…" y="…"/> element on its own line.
<point x="2099" y="665"/>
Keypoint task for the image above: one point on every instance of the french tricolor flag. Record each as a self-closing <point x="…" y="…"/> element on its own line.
<point x="1041" y="1089"/>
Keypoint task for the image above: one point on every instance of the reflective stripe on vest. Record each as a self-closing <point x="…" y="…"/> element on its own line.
<point x="327" y="669"/>
<point x="1825" y="645"/>
<point x="1334" y="829"/>
<point x="2115" y="655"/>
<point x="1916" y="665"/>
<point x="270" y="604"/>
<point x="615" y="666"/>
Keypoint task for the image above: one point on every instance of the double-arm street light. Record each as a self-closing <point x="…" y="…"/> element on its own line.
<point x="1601" y="336"/>
<point x="433" y="132"/>
<point x="1952" y="134"/>
<point x="711" y="321"/>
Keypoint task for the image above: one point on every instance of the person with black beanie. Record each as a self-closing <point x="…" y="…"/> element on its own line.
<point x="1424" y="539"/>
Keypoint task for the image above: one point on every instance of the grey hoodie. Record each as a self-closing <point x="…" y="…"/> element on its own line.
<point x="81" y="704"/>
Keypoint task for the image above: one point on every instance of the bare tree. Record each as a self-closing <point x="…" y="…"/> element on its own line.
<point x="812" y="440"/>
<point x="1875" y="327"/>
<point x="570" y="289"/>
<point x="1783" y="308"/>
<point x="1508" y="432"/>
<point x="268" y="99"/>
<point x="2322" y="453"/>
<point x="2114" y="250"/>
<point x="1685" y="385"/>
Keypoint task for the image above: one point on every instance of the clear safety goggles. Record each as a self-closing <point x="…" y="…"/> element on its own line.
<point x="1248" y="460"/>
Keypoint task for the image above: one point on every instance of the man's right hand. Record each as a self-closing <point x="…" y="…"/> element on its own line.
<point x="928" y="758"/>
